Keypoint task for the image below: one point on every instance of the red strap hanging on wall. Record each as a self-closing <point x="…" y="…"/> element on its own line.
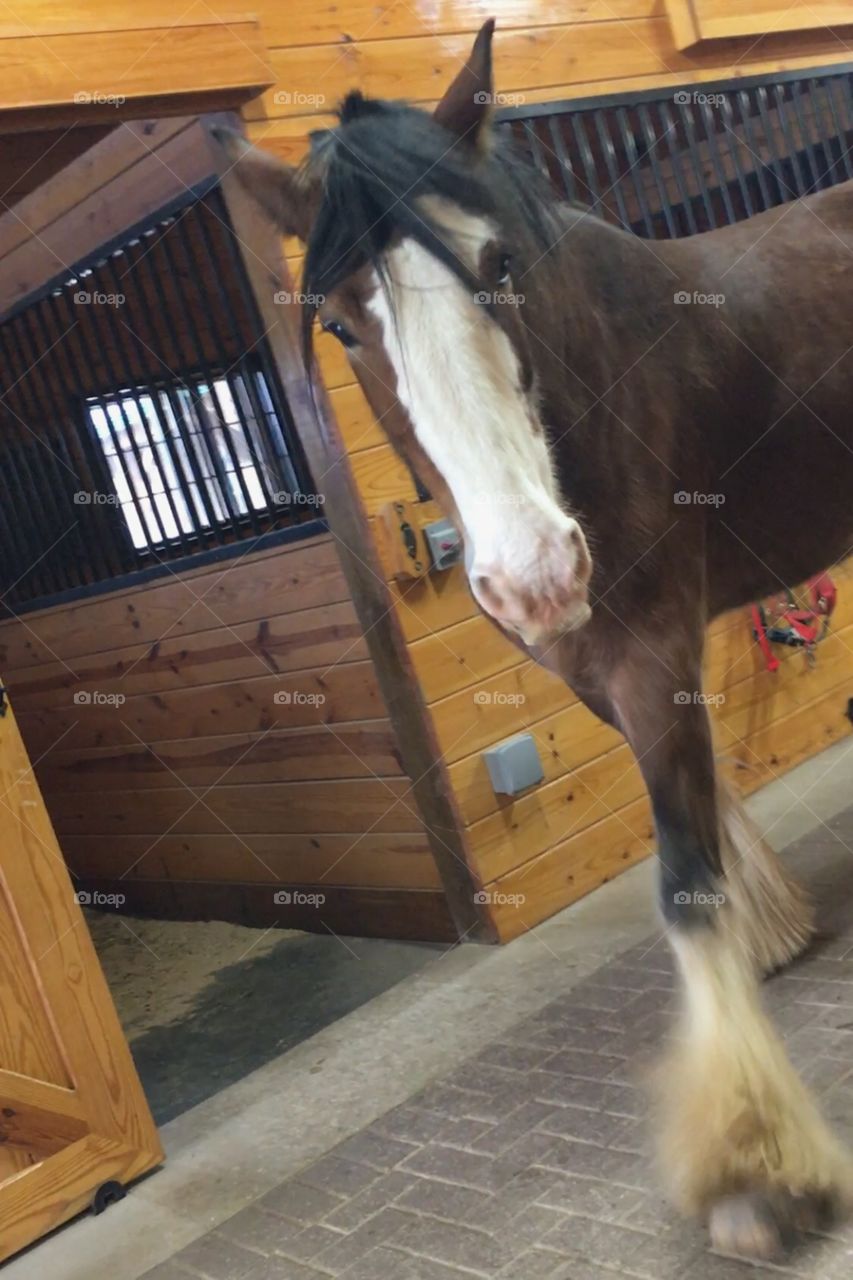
<point x="784" y="622"/>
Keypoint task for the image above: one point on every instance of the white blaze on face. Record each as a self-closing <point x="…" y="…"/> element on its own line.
<point x="459" y="379"/>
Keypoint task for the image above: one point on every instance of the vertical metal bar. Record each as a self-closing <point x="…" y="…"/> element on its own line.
<point x="590" y="180"/>
<point x="537" y="155"/>
<point x="842" y="125"/>
<point x="744" y="103"/>
<point x="776" y="165"/>
<point x="209" y="378"/>
<point x="86" y="360"/>
<point x="148" y="387"/>
<point x="114" y="554"/>
<point x="291" y="451"/>
<point x="788" y="118"/>
<point x="213" y="269"/>
<point x="14" y="535"/>
<point x="717" y="161"/>
<point x="696" y="162"/>
<point x="152" y="523"/>
<point x="566" y="171"/>
<point x="635" y="169"/>
<point x="734" y="151"/>
<point x="93" y="549"/>
<point x="40" y="375"/>
<point x="609" y="154"/>
<point x="120" y="371"/>
<point x="15" y="553"/>
<point x="39" y="565"/>
<point x="806" y="111"/>
<point x="651" y="141"/>
<point x="208" y="523"/>
<point x="670" y="133"/>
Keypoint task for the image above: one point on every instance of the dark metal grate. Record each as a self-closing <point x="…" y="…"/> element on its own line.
<point x="143" y="419"/>
<point x="671" y="162"/>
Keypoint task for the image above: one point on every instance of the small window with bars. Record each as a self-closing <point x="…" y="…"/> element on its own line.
<point x="144" y="420"/>
<point x="197" y="455"/>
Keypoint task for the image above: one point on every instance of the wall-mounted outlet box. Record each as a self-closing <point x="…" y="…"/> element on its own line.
<point x="445" y="543"/>
<point x="514" y="765"/>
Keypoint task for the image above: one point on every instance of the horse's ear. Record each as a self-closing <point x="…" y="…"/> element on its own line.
<point x="280" y="189"/>
<point x="466" y="108"/>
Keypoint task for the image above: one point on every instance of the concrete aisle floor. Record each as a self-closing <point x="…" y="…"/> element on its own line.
<point x="482" y="1118"/>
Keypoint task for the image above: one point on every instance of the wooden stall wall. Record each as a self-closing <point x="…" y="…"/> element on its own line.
<point x="213" y="742"/>
<point x="590" y="818"/>
<point x="216" y="744"/>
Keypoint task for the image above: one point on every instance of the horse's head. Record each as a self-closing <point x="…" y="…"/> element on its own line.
<point x="420" y="234"/>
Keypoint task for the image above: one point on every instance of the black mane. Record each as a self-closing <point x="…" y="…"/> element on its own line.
<point x="379" y="161"/>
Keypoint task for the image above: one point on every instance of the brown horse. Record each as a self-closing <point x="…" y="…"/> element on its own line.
<point x="623" y="467"/>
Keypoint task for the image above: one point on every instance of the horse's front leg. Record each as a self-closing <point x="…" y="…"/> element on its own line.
<point x="742" y="1141"/>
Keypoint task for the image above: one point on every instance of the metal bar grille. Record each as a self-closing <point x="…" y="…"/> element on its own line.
<point x="142" y="418"/>
<point x="672" y="162"/>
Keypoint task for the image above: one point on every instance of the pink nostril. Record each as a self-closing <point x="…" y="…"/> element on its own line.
<point x="482" y="585"/>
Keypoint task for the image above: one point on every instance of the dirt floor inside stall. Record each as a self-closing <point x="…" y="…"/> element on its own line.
<point x="205" y="1003"/>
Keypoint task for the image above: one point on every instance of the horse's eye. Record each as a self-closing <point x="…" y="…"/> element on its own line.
<point x="504" y="264"/>
<point x="338" y="331"/>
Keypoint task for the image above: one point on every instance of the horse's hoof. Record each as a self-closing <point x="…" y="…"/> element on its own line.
<point x="747" y="1226"/>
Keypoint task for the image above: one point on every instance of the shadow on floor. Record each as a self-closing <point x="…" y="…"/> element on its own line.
<point x="199" y="1018"/>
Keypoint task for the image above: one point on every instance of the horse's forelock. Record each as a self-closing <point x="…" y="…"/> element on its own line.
<point x="378" y="162"/>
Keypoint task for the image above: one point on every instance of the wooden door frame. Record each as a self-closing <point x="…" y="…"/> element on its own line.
<point x="261" y="250"/>
<point x="93" y="1126"/>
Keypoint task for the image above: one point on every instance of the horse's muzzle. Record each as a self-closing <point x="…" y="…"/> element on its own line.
<point x="541" y="592"/>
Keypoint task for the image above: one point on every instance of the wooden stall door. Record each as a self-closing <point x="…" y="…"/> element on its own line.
<point x="72" y="1113"/>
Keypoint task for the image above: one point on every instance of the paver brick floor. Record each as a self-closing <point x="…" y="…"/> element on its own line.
<point x="531" y="1160"/>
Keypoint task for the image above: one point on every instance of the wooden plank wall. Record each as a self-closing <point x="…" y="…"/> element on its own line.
<point x="225" y="728"/>
<point x="214" y="738"/>
<point x="590" y="818"/>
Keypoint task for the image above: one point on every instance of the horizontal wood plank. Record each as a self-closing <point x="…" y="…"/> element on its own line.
<point x="413" y="915"/>
<point x="133" y="67"/>
<point x="353" y="750"/>
<point x="354" y="807"/>
<point x="291" y="700"/>
<point x="328" y="635"/>
<point x="400" y="860"/>
<point x="247" y="587"/>
<point x="570" y="870"/>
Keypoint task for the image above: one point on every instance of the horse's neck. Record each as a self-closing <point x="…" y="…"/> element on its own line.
<point x="602" y="298"/>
